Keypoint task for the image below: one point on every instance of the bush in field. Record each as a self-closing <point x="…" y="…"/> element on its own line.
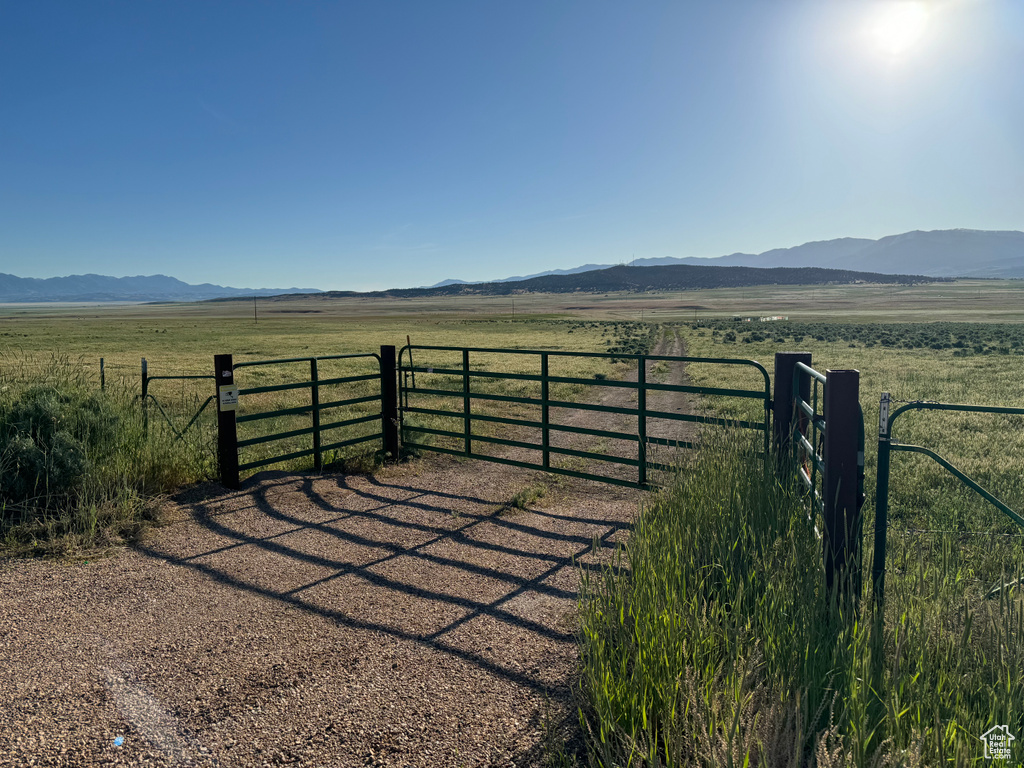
<point x="634" y="338"/>
<point x="48" y="439"/>
<point x="76" y="465"/>
<point x="972" y="338"/>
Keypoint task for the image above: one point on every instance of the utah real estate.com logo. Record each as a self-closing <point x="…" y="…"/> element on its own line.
<point x="997" y="742"/>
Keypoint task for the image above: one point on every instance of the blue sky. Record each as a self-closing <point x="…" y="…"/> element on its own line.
<point x="363" y="145"/>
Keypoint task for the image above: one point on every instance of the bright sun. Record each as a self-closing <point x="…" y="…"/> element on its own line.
<point x="897" y="26"/>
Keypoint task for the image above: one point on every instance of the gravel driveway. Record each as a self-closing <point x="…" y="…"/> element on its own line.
<point x="410" y="618"/>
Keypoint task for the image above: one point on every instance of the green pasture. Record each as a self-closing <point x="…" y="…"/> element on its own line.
<point x="175" y="343"/>
<point x="63" y="349"/>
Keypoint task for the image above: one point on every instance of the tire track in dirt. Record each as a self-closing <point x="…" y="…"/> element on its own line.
<point x="657" y="372"/>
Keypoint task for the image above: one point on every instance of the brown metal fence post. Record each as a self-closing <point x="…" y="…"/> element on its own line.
<point x="840" y="486"/>
<point x="389" y="401"/>
<point x="227" y="431"/>
<point x="783" y="416"/>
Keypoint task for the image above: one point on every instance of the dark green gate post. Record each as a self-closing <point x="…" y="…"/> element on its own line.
<point x="641" y="416"/>
<point x="545" y="412"/>
<point x="389" y="400"/>
<point x="314" y="397"/>
<point x="227" y="430"/>
<point x="841" y="482"/>
<point x="881" y="500"/>
<point x="145" y="393"/>
<point x="465" y="402"/>
<point x="783" y="416"/>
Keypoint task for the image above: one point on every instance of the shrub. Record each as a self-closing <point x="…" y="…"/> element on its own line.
<point x="49" y="439"/>
<point x="76" y="464"/>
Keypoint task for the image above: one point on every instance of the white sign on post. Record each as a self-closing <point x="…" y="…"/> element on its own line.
<point x="229" y="397"/>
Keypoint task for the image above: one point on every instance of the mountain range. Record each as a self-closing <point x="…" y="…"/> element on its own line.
<point x="75" y="288"/>
<point x="937" y="253"/>
<point x="670" y="277"/>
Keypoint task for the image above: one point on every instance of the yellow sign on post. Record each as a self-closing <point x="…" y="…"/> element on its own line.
<point x="228" y="397"/>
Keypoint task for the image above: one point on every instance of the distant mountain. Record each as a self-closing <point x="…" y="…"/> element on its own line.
<point x="573" y="271"/>
<point x="674" y="277"/>
<point x="103" y="288"/>
<point x="957" y="252"/>
<point x="938" y="253"/>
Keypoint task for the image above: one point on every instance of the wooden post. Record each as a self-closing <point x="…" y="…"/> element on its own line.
<point x="103" y="376"/>
<point x="783" y="416"/>
<point x="412" y="366"/>
<point x="881" y="498"/>
<point x="227" y="431"/>
<point x="841" y="482"/>
<point x="389" y="402"/>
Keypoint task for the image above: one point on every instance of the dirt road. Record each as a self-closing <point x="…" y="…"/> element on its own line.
<point x="656" y="372"/>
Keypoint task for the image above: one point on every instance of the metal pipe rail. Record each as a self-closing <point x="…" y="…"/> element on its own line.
<point x="835" y="455"/>
<point x="886" y="445"/>
<point x="464" y="374"/>
<point x="314" y="410"/>
<point x="804" y="450"/>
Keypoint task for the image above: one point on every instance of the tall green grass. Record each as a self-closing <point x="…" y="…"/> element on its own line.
<point x="710" y="641"/>
<point x="77" y="467"/>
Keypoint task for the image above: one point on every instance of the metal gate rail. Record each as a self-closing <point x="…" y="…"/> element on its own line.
<point x="886" y="444"/>
<point x="148" y="397"/>
<point x="315" y="409"/>
<point x="407" y="385"/>
<point x="805" y="451"/>
<point x="835" y="453"/>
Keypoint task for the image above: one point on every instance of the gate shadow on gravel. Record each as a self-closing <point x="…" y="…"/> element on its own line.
<point x="399" y="545"/>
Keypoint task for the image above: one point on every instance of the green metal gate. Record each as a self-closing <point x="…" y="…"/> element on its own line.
<point x="886" y="445"/>
<point x="461" y="377"/>
<point x="318" y="419"/>
<point x="828" y="454"/>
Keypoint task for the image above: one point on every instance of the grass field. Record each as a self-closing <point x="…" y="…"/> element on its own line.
<point x="951" y="656"/>
<point x="949" y="661"/>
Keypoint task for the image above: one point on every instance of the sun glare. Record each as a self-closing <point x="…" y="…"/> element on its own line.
<point x="897" y="26"/>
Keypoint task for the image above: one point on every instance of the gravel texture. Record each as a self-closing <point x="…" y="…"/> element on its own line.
<point x="410" y="618"/>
